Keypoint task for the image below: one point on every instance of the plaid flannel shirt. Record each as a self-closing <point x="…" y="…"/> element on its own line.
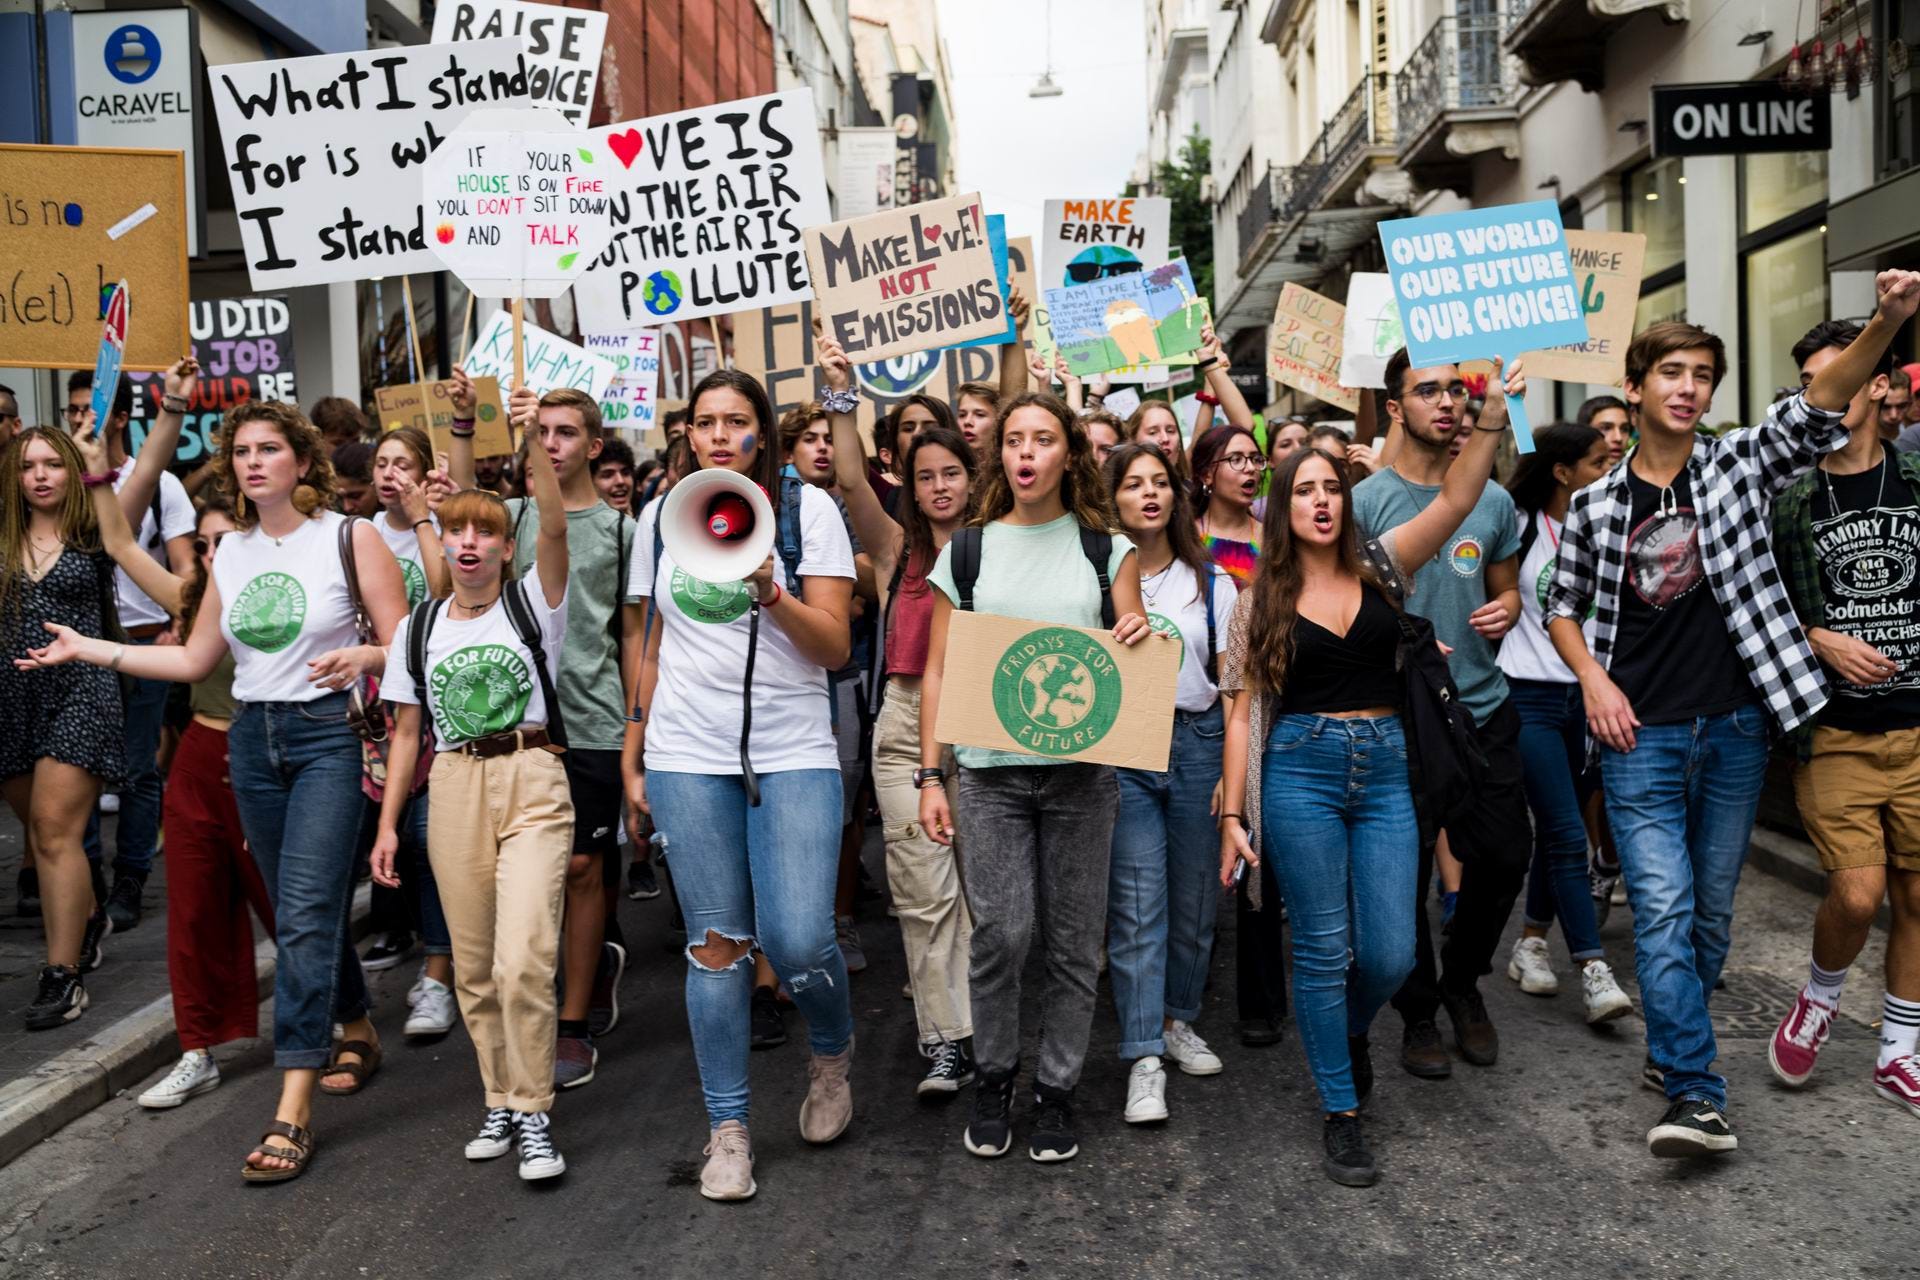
<point x="1734" y="479"/>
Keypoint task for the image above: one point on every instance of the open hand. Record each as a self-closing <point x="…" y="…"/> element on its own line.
<point x="68" y="646"/>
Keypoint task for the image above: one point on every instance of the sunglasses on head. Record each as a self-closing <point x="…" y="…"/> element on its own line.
<point x="1085" y="272"/>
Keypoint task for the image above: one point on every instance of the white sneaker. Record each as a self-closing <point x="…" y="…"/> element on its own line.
<point x="419" y="984"/>
<point x="192" y="1076"/>
<point x="1190" y="1052"/>
<point x="1146" y="1092"/>
<point x="109" y="802"/>
<point x="539" y="1158"/>
<point x="495" y="1137"/>
<point x="1605" y="1000"/>
<point x="1532" y="969"/>
<point x="433" y="1013"/>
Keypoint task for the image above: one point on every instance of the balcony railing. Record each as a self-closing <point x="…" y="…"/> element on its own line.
<point x="1460" y="66"/>
<point x="1363" y="121"/>
<point x="1261" y="210"/>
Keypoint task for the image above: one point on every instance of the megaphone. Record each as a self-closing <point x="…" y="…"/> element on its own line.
<point x="717" y="525"/>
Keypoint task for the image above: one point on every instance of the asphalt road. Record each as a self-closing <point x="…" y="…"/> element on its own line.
<point x="1534" y="1167"/>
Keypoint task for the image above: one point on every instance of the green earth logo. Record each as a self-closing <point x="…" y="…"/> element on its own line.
<point x="479" y="690"/>
<point x="1545" y="580"/>
<point x="268" y="612"/>
<point x="1163" y="625"/>
<point x="1056" y="691"/>
<point x="661" y="294"/>
<point x="715" y="603"/>
<point x="416" y="581"/>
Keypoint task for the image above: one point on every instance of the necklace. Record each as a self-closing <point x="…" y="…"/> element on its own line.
<point x="475" y="610"/>
<point x="1158" y="579"/>
<point x="1833" y="503"/>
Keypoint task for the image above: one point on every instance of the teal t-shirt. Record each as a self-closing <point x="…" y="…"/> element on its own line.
<point x="599" y="549"/>
<point x="1037" y="572"/>
<point x="1448" y="588"/>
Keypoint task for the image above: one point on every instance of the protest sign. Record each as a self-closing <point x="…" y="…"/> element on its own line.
<point x="627" y="404"/>
<point x="429" y="406"/>
<point x="866" y="170"/>
<point x="106" y="362"/>
<point x="1086" y="240"/>
<point x="245" y="350"/>
<point x="1060" y="692"/>
<point x="551" y="360"/>
<point x="1002" y="271"/>
<point x="73" y="221"/>
<point x="518" y="202"/>
<point x="1179" y="312"/>
<point x="1370" y="330"/>
<point x="1103" y="325"/>
<point x="324" y="153"/>
<point x="1121" y="403"/>
<point x="1606" y="273"/>
<point x="707" y="211"/>
<point x="906" y="280"/>
<point x="1303" y="346"/>
<point x="563" y="46"/>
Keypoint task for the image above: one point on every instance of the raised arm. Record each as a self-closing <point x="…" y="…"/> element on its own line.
<point x="1013" y="364"/>
<point x="156" y="451"/>
<point x="1833" y="388"/>
<point x="116" y="535"/>
<point x="1419" y="539"/>
<point x="543" y="485"/>
<point x="1218" y="372"/>
<point x="465" y="402"/>
<point x="878" y="531"/>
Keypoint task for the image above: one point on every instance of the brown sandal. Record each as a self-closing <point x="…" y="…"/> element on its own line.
<point x="301" y="1153"/>
<point x="361" y="1070"/>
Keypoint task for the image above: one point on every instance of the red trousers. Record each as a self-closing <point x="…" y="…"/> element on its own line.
<point x="211" y="877"/>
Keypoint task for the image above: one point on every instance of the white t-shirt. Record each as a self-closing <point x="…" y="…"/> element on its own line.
<point x="1527" y="652"/>
<point x="693" y="725"/>
<point x="283" y="606"/>
<point x="137" y="608"/>
<point x="480" y="678"/>
<point x="1177" y="607"/>
<point x="405" y="545"/>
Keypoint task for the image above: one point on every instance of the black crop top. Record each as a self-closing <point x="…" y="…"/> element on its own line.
<point x="1329" y="673"/>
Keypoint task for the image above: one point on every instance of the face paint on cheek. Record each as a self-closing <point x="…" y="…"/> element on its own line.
<point x="746" y="442"/>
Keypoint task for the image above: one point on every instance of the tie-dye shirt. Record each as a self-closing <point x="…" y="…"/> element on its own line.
<point x="1237" y="559"/>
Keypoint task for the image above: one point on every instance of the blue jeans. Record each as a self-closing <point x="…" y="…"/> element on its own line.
<point x="1162" y="888"/>
<point x="296" y="778"/>
<point x="139" y="827"/>
<point x="1553" y="753"/>
<point x="764" y="875"/>
<point x="1337" y="821"/>
<point x="415" y="906"/>
<point x="1681" y="806"/>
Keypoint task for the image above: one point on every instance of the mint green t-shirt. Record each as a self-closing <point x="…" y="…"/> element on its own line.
<point x="1036" y="572"/>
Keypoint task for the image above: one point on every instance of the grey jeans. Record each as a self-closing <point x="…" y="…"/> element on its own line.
<point x="1036" y="840"/>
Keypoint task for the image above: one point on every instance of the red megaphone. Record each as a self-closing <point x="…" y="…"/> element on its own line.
<point x="729" y="517"/>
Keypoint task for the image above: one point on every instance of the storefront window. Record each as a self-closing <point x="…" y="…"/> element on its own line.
<point x="1657" y="208"/>
<point x="1656" y="305"/>
<point x="1786" y="294"/>
<point x="1777" y="184"/>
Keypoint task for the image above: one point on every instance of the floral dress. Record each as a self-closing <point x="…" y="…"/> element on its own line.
<point x="72" y="713"/>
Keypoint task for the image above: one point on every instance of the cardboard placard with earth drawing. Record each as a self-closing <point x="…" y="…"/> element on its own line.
<point x="429" y="406"/>
<point x="1067" y="693"/>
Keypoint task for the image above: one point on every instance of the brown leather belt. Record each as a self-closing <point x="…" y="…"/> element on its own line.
<point x="146" y="631"/>
<point x="504" y="744"/>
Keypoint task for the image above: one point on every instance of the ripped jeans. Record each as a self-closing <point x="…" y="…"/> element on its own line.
<point x="764" y="875"/>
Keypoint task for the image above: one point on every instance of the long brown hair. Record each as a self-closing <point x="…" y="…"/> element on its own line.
<point x="1207" y="452"/>
<point x="1081" y="491"/>
<point x="315" y="492"/>
<point x="1182" y="535"/>
<point x="78" y="528"/>
<point x="916" y="531"/>
<point x="1138" y="419"/>
<point x="1276" y="587"/>
<point x="196" y="588"/>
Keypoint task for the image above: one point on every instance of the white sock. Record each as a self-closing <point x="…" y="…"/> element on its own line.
<point x="1899" y="1026"/>
<point x="1823" y="985"/>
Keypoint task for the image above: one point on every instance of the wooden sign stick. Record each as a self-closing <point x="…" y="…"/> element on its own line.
<point x="413" y="330"/>
<point x="466" y="319"/>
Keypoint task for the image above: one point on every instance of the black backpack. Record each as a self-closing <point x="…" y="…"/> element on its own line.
<point x="1095" y="544"/>
<point x="520" y="614"/>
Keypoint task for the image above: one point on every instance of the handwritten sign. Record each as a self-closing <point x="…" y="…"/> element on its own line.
<point x="518" y="202"/>
<point x="1303" y="346"/>
<point x="245" y="349"/>
<point x="707" y="211"/>
<point x="628" y="404"/>
<point x="906" y="280"/>
<point x="1179" y="312"/>
<point x="324" y="153"/>
<point x="1606" y="272"/>
<point x="1370" y="332"/>
<point x="429" y="406"/>
<point x="1086" y="240"/>
<point x="1103" y="325"/>
<point x="106" y="363"/>
<point x="552" y="361"/>
<point x="563" y="46"/>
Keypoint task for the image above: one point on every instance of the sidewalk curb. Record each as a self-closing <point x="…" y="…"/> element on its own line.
<point x="1795" y="862"/>
<point x="67" y="1086"/>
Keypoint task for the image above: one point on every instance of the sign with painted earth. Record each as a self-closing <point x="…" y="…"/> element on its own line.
<point x="1056" y="691"/>
<point x="715" y="603"/>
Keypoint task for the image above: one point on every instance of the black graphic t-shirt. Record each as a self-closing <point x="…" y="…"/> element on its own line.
<point x="1673" y="657"/>
<point x="1866" y="540"/>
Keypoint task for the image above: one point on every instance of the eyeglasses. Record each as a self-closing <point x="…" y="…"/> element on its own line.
<point x="74" y="410"/>
<point x="201" y="546"/>
<point x="1430" y="392"/>
<point x="1244" y="461"/>
<point x="1086" y="272"/>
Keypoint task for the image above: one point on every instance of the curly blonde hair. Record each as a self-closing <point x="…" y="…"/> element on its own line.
<point x="316" y="490"/>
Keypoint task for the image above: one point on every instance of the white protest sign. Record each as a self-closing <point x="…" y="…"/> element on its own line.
<point x="866" y="170"/>
<point x="707" y="211"/>
<point x="1121" y="403"/>
<point x="628" y="403"/>
<point x="1086" y="240"/>
<point x="552" y="361"/>
<point x="1370" y="331"/>
<point x="563" y="46"/>
<point x="324" y="153"/>
<point x="518" y="202"/>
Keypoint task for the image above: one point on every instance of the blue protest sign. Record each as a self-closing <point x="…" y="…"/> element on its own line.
<point x="1484" y="283"/>
<point x="113" y="345"/>
<point x="997" y="241"/>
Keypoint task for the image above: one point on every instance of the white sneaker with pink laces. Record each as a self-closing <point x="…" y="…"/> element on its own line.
<point x="1899" y="1082"/>
<point x="1798" y="1039"/>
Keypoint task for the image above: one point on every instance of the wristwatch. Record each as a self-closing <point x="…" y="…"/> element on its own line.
<point x="921" y="777"/>
<point x="839" y="401"/>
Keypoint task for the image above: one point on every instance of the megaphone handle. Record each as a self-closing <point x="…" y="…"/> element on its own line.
<point x="748" y="779"/>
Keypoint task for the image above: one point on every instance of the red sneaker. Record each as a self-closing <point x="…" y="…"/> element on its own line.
<point x="1899" y="1081"/>
<point x="1798" y="1039"/>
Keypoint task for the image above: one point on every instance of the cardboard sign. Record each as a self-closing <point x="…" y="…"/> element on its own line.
<point x="1002" y="271"/>
<point x="552" y="361"/>
<point x="866" y="170"/>
<point x="563" y="46"/>
<point x="245" y="350"/>
<point x="1370" y="331"/>
<point x="906" y="280"/>
<point x="628" y="404"/>
<point x="707" y="210"/>
<point x="1179" y="312"/>
<point x="106" y="363"/>
<point x="1303" y="346"/>
<point x="429" y="406"/>
<point x="1606" y="272"/>
<point x="325" y="153"/>
<point x="1086" y="240"/>
<point x="73" y="221"/>
<point x="518" y="202"/>
<point x="1066" y="693"/>
<point x="1132" y="323"/>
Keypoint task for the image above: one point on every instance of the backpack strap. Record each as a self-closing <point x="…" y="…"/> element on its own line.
<point x="1213" y="631"/>
<point x="789" y="529"/>
<point x="653" y="598"/>
<point x="964" y="560"/>
<point x="1097" y="544"/>
<point x="1529" y="532"/>
<point x="159" y="539"/>
<point x="419" y="627"/>
<point x="622" y="549"/>
<point x="520" y="614"/>
<point x="1385" y="570"/>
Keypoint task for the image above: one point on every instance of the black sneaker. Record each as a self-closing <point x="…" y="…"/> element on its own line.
<point x="1362" y="1055"/>
<point x="1258" y="1033"/>
<point x="769" y="1025"/>
<point x="99" y="925"/>
<point x="1691" y="1127"/>
<point x="990" y="1132"/>
<point x="1473" y="1033"/>
<point x="60" y="999"/>
<point x="388" y="950"/>
<point x="951" y="1069"/>
<point x="1347" y="1160"/>
<point x="1421" y="1052"/>
<point x="642" y="883"/>
<point x="1052" y="1139"/>
<point x="123" y="904"/>
<point x="27" y="891"/>
<point x="603" y="1006"/>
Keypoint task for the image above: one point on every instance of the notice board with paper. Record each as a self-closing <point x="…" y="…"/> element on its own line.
<point x="1066" y="693"/>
